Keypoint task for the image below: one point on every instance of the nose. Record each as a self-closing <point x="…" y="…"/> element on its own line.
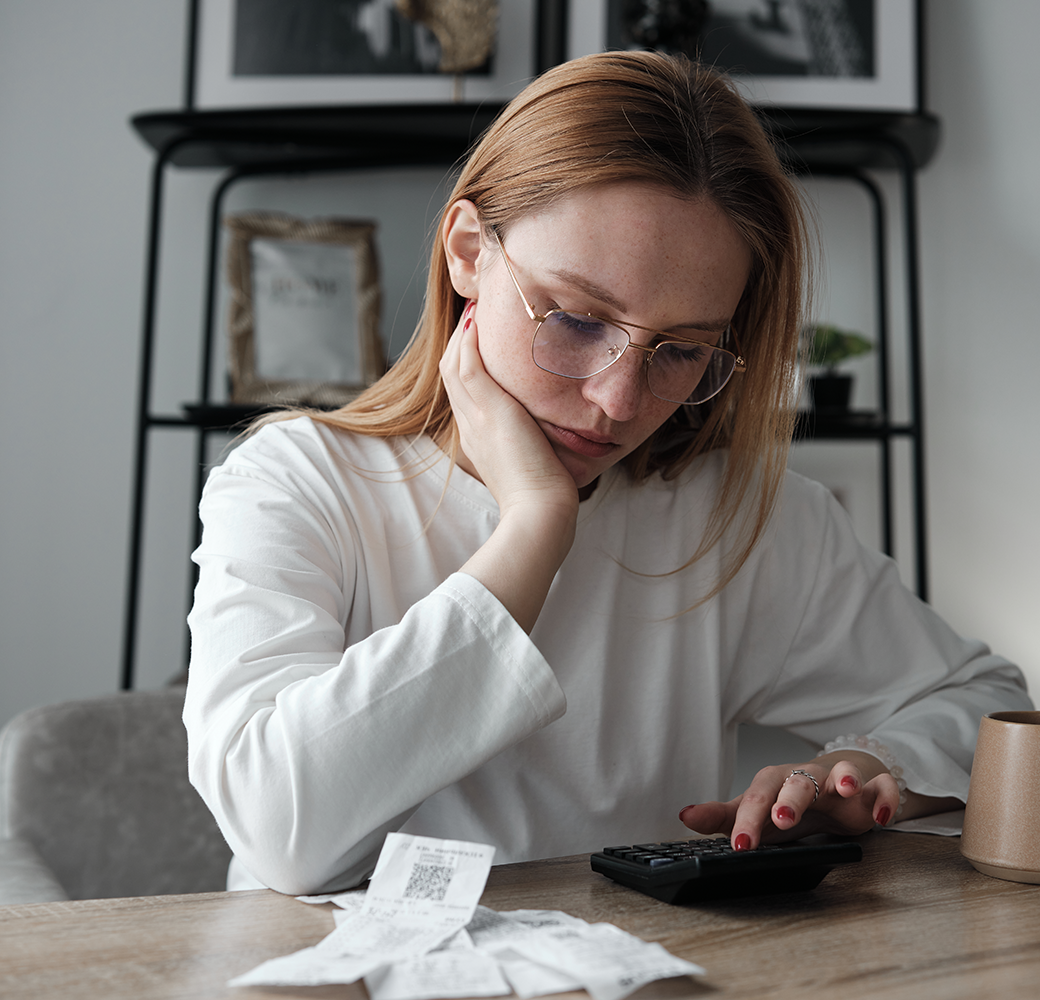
<point x="620" y="389"/>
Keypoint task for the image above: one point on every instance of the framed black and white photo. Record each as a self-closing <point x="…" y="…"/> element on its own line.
<point x="303" y="322"/>
<point x="276" y="53"/>
<point x="836" y="54"/>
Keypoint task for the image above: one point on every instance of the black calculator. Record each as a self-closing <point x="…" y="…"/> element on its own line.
<point x="686" y="871"/>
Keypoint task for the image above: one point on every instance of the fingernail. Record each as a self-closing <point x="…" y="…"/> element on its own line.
<point x="784" y="812"/>
<point x="742" y="843"/>
<point x="883" y="816"/>
<point x="848" y="781"/>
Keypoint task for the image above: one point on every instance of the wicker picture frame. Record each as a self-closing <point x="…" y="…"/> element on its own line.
<point x="305" y="301"/>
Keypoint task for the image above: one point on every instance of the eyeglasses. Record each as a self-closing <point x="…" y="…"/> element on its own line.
<point x="580" y="345"/>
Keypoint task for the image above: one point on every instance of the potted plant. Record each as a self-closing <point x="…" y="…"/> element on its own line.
<point x="831" y="390"/>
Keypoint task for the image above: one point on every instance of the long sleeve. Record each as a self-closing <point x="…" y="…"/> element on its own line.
<point x="869" y="658"/>
<point x="309" y="719"/>
<point x="346" y="680"/>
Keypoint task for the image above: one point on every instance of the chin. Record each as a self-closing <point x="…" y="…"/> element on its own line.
<point x="581" y="474"/>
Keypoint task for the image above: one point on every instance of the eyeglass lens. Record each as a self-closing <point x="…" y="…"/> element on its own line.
<point x="577" y="346"/>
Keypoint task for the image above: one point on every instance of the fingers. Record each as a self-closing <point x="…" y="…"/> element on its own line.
<point x="799" y="790"/>
<point x="885" y="793"/>
<point x="796" y="800"/>
<point x="469" y="353"/>
<point x="461" y="353"/>
<point x="710" y="817"/>
<point x="476" y="398"/>
<point x="776" y="800"/>
<point x="880" y="794"/>
<point x="847" y="780"/>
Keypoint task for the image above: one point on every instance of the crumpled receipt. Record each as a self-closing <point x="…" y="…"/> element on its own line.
<point x="418" y="934"/>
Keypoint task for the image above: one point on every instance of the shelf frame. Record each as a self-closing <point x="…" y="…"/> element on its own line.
<point x="294" y="141"/>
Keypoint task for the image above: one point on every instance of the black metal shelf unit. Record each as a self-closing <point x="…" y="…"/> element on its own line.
<point x="301" y="140"/>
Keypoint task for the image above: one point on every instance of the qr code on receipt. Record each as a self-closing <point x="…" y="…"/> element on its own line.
<point x="428" y="881"/>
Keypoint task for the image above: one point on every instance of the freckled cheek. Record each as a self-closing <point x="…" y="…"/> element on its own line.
<point x="535" y="390"/>
<point x="651" y="417"/>
<point x="506" y="353"/>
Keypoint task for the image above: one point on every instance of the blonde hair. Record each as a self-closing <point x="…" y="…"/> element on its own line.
<point x="636" y="116"/>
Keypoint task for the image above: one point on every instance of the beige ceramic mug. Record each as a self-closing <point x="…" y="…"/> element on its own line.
<point x="1002" y="818"/>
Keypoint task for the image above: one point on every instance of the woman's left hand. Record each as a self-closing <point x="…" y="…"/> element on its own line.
<point x="855" y="792"/>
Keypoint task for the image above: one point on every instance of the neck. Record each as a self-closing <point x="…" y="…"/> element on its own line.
<point x="586" y="491"/>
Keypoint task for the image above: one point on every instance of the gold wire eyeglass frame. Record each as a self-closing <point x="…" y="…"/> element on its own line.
<point x="739" y="365"/>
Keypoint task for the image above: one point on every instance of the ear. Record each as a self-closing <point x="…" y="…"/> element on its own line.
<point x="461" y="237"/>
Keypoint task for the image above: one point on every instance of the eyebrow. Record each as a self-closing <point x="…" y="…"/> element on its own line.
<point x="589" y="288"/>
<point x="601" y="294"/>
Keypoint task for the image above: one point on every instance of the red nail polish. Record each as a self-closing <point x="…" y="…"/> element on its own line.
<point x="848" y="781"/>
<point x="884" y="815"/>
<point x="784" y="812"/>
<point x="742" y="843"/>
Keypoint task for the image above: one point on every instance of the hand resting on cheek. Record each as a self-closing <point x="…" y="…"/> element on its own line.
<point x="500" y="442"/>
<point x="503" y="447"/>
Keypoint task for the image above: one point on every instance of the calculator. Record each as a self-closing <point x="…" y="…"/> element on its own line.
<point x="686" y="871"/>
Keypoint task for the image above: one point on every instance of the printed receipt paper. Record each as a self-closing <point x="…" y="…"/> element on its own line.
<point x="418" y="934"/>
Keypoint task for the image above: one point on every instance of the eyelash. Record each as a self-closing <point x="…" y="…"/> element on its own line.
<point x="660" y="338"/>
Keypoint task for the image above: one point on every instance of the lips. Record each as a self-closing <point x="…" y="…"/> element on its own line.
<point x="588" y="443"/>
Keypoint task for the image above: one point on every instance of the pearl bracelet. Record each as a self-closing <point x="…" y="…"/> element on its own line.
<point x="876" y="749"/>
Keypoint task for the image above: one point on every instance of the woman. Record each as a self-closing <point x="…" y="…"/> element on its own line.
<point x="524" y="590"/>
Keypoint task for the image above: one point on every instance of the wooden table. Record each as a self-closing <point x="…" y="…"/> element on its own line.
<point x="912" y="920"/>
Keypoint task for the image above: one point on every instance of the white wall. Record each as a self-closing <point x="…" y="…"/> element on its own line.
<point x="73" y="181"/>
<point x="73" y="188"/>
<point x="980" y="219"/>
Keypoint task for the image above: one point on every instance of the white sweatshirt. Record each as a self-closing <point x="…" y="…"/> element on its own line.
<point x="346" y="680"/>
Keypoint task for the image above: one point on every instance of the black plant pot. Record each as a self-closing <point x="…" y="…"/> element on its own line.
<point x="831" y="393"/>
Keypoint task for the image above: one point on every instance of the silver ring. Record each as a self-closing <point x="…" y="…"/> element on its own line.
<point x="798" y="770"/>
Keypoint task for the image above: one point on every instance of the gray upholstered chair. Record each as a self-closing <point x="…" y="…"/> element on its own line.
<point x="95" y="803"/>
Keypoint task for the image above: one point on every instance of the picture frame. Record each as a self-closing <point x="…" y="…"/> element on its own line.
<point x="304" y="311"/>
<point x="766" y="48"/>
<point x="311" y="65"/>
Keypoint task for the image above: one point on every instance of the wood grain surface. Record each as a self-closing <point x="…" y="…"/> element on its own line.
<point x="912" y="920"/>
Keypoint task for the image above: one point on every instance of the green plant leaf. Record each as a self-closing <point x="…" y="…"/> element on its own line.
<point x="830" y="344"/>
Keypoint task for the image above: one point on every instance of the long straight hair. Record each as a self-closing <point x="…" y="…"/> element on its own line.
<point x="667" y="121"/>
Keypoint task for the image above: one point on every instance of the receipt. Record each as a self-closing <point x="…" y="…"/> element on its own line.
<point x="422" y="892"/>
<point x="308" y="967"/>
<point x="545" y="951"/>
<point x="495" y="933"/>
<point x="417" y="933"/>
<point x="609" y="963"/>
<point x="427" y="881"/>
<point x="456" y="969"/>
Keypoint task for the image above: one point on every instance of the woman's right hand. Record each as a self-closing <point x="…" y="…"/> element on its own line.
<point x="500" y="441"/>
<point x="538" y="500"/>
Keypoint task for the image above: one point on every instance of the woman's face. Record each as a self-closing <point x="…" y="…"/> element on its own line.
<point x="630" y="252"/>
